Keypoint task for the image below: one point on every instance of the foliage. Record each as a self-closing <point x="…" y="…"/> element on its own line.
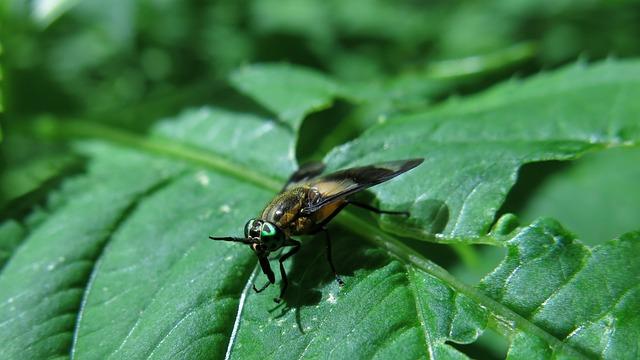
<point x="133" y="130"/>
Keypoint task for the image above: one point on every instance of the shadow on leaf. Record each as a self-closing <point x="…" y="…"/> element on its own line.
<point x="310" y="275"/>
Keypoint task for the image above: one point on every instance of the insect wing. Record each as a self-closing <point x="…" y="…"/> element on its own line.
<point x="337" y="185"/>
<point x="303" y="175"/>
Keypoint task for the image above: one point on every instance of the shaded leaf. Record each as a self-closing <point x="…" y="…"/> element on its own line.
<point x="21" y="180"/>
<point x="597" y="197"/>
<point x="272" y="86"/>
<point x="11" y="234"/>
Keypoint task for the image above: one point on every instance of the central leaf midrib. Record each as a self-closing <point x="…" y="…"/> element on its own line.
<point x="393" y="246"/>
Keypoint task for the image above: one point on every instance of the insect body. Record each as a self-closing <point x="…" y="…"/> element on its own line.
<point x="304" y="207"/>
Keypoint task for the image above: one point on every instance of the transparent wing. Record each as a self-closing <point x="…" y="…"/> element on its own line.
<point x="332" y="187"/>
<point x="305" y="173"/>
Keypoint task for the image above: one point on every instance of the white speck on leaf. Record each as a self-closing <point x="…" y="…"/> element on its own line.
<point x="332" y="299"/>
<point x="260" y="131"/>
<point x="205" y="215"/>
<point x="225" y="208"/>
<point x="202" y="178"/>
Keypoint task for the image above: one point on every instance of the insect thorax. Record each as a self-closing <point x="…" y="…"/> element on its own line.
<point x="285" y="211"/>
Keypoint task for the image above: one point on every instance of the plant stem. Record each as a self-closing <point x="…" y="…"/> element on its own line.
<point x="82" y="129"/>
<point x="502" y="315"/>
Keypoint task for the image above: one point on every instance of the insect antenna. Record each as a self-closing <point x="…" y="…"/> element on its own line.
<point x="234" y="239"/>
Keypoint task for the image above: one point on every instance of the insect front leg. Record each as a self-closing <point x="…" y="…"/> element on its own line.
<point x="376" y="210"/>
<point x="329" y="258"/>
<point x="295" y="247"/>
<point x="266" y="269"/>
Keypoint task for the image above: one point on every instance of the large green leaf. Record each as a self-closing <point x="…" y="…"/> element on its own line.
<point x="474" y="148"/>
<point x="272" y="86"/>
<point x="122" y="267"/>
<point x="587" y="298"/>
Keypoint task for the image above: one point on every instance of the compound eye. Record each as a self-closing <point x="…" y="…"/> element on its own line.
<point x="268" y="230"/>
<point x="248" y="227"/>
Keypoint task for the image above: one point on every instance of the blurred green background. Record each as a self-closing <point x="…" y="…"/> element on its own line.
<point x="127" y="64"/>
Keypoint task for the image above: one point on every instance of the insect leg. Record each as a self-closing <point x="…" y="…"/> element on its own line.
<point x="376" y="210"/>
<point x="333" y="268"/>
<point x="266" y="269"/>
<point x="295" y="247"/>
<point x="266" y="285"/>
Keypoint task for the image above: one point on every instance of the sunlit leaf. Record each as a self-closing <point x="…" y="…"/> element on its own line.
<point x="474" y="148"/>
<point x="122" y="267"/>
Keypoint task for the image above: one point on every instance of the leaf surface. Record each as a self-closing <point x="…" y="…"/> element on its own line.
<point x="597" y="197"/>
<point x="585" y="297"/>
<point x="289" y="92"/>
<point x="473" y="149"/>
<point x="11" y="234"/>
<point x="122" y="267"/>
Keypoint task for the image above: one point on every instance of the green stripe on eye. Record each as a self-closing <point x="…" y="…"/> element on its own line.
<point x="268" y="230"/>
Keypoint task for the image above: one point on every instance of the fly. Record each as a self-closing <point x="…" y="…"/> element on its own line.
<point x="305" y="206"/>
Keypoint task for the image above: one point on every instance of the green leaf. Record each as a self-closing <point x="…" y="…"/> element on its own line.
<point x="43" y="283"/>
<point x="474" y="148"/>
<point x="122" y="268"/>
<point x="587" y="298"/>
<point x="272" y="86"/>
<point x="11" y="234"/>
<point x="597" y="196"/>
<point x="119" y="185"/>
<point x="25" y="178"/>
